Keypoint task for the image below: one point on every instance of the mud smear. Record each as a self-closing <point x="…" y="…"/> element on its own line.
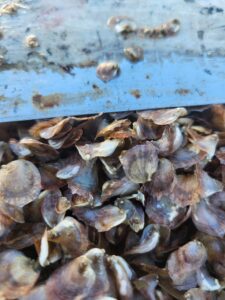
<point x="45" y="102"/>
<point x="183" y="92"/>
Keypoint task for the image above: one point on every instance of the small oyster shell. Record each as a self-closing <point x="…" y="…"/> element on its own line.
<point x="134" y="53"/>
<point x="18" y="274"/>
<point x="106" y="71"/>
<point x="169" y="28"/>
<point x="122" y="24"/>
<point x="20" y="183"/>
<point x="103" y="219"/>
<point x="32" y="41"/>
<point x="197" y="293"/>
<point x="103" y="149"/>
<point x="140" y="162"/>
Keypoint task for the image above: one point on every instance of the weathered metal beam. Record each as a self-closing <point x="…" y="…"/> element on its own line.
<point x="48" y="81"/>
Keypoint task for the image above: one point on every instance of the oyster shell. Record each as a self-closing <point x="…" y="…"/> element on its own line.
<point x="20" y="183"/>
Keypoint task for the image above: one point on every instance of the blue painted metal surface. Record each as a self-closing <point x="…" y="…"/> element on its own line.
<point x="171" y="81"/>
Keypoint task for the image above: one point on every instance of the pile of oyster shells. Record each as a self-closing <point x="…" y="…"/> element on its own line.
<point x="114" y="206"/>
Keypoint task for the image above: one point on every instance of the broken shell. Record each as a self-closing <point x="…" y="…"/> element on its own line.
<point x="140" y="162"/>
<point x="87" y="177"/>
<point x="103" y="219"/>
<point x="18" y="274"/>
<point x="186" y="261"/>
<point x="134" y="53"/>
<point x="32" y="41"/>
<point x="103" y="149"/>
<point x="165" y="212"/>
<point x="147" y="242"/>
<point x="207" y="282"/>
<point x="146" y="285"/>
<point x="20" y="183"/>
<point x="112" y="167"/>
<point x="197" y="293"/>
<point x="106" y="71"/>
<point x="134" y="211"/>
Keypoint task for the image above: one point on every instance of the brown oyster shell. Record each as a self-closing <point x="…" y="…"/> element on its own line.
<point x="102" y="149"/>
<point x="58" y="130"/>
<point x="71" y="235"/>
<point x="118" y="187"/>
<point x="134" y="53"/>
<point x="186" y="261"/>
<point x="163" y="116"/>
<point x="123" y="275"/>
<point x="108" y="70"/>
<point x="18" y="274"/>
<point x="122" y="24"/>
<point x="140" y="162"/>
<point x="134" y="211"/>
<point x="119" y="129"/>
<point x="84" y="277"/>
<point x="39" y="149"/>
<point x="38" y="127"/>
<point x="171" y="140"/>
<point x="20" y="183"/>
